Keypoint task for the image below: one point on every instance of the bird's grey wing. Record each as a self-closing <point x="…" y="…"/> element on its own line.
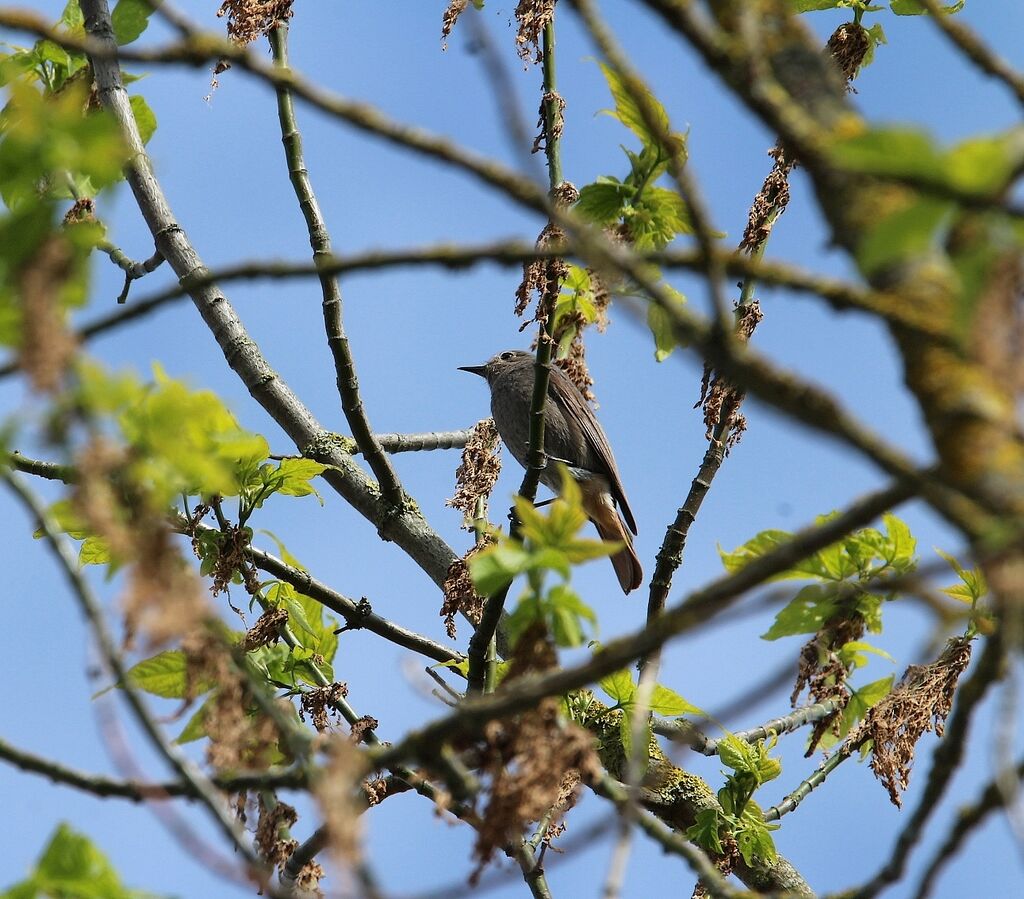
<point x="578" y="409"/>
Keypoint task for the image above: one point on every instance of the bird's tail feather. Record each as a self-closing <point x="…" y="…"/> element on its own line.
<point x="610" y="527"/>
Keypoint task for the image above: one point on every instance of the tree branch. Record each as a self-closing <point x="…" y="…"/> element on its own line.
<point x="406" y="527"/>
<point x="319" y="239"/>
<point x="138" y="791"/>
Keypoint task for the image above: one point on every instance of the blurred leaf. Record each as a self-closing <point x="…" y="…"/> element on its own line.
<point x="914" y="7"/>
<point x="495" y="567"/>
<point x="145" y="119"/>
<point x="44" y="139"/>
<point x="129" y="19"/>
<point x="661" y="324"/>
<point x="72" y="867"/>
<point x="904" y="234"/>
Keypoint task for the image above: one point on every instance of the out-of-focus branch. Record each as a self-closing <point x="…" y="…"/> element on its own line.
<point x="976" y="50"/>
<point x="198" y="784"/>
<point x="139" y="791"/>
<point x="697" y="608"/>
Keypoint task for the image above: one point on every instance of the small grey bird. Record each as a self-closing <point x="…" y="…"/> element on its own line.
<point x="572" y="435"/>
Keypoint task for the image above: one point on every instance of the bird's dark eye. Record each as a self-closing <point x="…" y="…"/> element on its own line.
<point x="507" y="356"/>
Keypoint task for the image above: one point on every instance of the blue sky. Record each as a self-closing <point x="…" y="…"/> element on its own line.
<point x="221" y="165"/>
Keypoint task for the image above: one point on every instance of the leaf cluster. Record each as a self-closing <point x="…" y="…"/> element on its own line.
<point x="841" y="575"/>
<point x="550" y="544"/>
<point x="739" y="817"/>
<point x="648" y="216"/>
<point x="624" y="692"/>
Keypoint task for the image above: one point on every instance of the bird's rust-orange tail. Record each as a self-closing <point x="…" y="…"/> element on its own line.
<point x="610" y="527"/>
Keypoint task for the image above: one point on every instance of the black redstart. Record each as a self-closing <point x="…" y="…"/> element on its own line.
<point x="572" y="435"/>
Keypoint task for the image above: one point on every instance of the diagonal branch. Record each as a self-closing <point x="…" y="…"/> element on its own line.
<point x="975" y="49"/>
<point x="406" y="527"/>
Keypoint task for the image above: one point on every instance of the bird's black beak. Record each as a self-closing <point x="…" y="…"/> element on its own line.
<point x="475" y="370"/>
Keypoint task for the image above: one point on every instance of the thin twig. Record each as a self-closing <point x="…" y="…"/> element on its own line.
<point x="319" y="238"/>
<point x="976" y="50"/>
<point x="805" y="787"/>
<point x="536" y="459"/>
<point x="684" y="732"/>
<point x="668" y="839"/>
<point x="968" y="819"/>
<point x="407" y="527"/>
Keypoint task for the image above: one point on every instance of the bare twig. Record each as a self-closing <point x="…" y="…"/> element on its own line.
<point x="968" y="819"/>
<point x="319" y="238"/>
<point x="406" y="527"/>
<point x="976" y="50"/>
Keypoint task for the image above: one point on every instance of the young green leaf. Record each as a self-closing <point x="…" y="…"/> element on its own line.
<point x="129" y="19"/>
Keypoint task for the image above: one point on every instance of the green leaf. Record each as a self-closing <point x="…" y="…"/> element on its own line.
<point x="619" y="686"/>
<point x="166" y="675"/>
<point x="804" y="614"/>
<point x="527" y="612"/>
<point x="46" y="138"/>
<point x="890" y="151"/>
<point x="94" y="551"/>
<point x="705" y="831"/>
<point x="900" y="547"/>
<point x="71" y="19"/>
<point x="129" y="19"/>
<point x="669" y="703"/>
<point x="972" y="586"/>
<point x="854" y="654"/>
<point x="602" y="203"/>
<point x="568" y="613"/>
<point x="628" y="112"/>
<point x="753" y="835"/>
<point x="860" y="701"/>
<point x="295" y="475"/>
<point x="657" y="217"/>
<point x="662" y="327"/>
<point x="195" y="729"/>
<point x="497" y="566"/>
<point x="907" y="233"/>
<point x="145" y="118"/>
<point x="72" y="867"/>
<point x="914" y="7"/>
